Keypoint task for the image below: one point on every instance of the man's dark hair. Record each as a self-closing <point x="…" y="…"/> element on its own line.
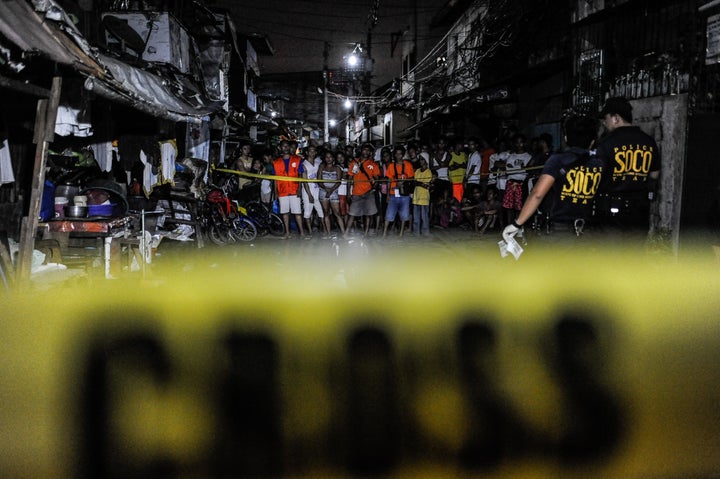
<point x="398" y="148"/>
<point x="618" y="105"/>
<point x="580" y="131"/>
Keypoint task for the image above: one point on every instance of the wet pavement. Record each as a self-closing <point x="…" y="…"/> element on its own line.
<point x="439" y="241"/>
<point x="337" y="255"/>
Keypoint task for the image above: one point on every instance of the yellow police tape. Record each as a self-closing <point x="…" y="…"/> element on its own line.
<point x="416" y="364"/>
<point x="307" y="180"/>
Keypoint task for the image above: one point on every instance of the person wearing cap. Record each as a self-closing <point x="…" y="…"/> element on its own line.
<point x="632" y="169"/>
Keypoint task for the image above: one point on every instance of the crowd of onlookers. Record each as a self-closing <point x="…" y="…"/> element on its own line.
<point x="599" y="183"/>
<point x="466" y="183"/>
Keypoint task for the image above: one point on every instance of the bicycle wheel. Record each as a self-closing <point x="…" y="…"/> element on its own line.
<point x="243" y="229"/>
<point x="216" y="236"/>
<point x="276" y="225"/>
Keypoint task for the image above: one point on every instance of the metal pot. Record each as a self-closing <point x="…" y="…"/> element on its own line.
<point x="76" y="211"/>
<point x="66" y="190"/>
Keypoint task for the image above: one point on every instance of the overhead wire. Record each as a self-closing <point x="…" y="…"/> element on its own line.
<point x="468" y="54"/>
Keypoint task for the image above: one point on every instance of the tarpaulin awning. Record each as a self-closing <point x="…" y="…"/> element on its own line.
<point x="51" y="32"/>
<point x="33" y="32"/>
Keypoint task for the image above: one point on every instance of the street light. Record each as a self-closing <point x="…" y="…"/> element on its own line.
<point x="355" y="61"/>
<point x="348" y="104"/>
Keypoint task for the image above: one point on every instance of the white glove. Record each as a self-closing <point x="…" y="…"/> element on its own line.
<point x="510" y="231"/>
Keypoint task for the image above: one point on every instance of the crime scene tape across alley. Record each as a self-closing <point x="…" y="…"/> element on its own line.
<point x="594" y="365"/>
<point x="320" y="180"/>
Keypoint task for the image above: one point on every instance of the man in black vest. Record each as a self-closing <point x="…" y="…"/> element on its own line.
<point x="632" y="170"/>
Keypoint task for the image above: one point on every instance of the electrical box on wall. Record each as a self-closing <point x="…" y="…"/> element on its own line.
<point x="164" y="39"/>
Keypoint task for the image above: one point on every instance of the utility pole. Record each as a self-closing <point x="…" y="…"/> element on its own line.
<point x="326" y="54"/>
<point x="419" y="92"/>
<point x="372" y="21"/>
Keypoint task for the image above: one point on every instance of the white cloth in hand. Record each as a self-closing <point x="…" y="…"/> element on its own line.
<point x="510" y="231"/>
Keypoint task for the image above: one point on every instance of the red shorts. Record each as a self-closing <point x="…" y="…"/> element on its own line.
<point x="458" y="191"/>
<point x="513" y="195"/>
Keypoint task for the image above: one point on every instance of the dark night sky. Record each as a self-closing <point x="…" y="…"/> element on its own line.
<point x="299" y="29"/>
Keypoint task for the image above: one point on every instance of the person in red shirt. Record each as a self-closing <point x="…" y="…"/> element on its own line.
<point x="363" y="172"/>
<point x="288" y="192"/>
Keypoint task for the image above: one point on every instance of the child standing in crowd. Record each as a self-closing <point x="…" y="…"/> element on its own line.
<point x="421" y="199"/>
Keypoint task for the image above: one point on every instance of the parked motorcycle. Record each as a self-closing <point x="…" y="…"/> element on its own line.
<point x="223" y="221"/>
<point x="266" y="221"/>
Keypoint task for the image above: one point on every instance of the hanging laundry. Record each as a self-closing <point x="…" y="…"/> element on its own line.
<point x="68" y="122"/>
<point x="6" y="170"/>
<point x="168" y="154"/>
<point x="104" y="154"/>
<point x="150" y="179"/>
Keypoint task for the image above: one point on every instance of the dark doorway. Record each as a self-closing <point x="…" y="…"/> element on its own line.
<point x="700" y="212"/>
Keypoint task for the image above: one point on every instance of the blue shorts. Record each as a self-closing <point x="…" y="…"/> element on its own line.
<point x="398" y="204"/>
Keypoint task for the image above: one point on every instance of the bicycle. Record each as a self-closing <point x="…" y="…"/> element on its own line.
<point x="263" y="218"/>
<point x="266" y="221"/>
<point x="223" y="221"/>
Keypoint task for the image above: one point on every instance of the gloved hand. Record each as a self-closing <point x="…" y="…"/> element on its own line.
<point x="510" y="231"/>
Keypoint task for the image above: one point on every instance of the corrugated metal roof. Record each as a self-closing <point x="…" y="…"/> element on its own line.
<point x="173" y="97"/>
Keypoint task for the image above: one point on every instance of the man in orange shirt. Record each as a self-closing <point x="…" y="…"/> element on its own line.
<point x="288" y="192"/>
<point x="363" y="172"/>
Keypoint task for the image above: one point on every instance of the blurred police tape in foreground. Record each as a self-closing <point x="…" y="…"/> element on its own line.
<point x="593" y="365"/>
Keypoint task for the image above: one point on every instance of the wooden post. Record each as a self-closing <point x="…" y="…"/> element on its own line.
<point x="44" y="134"/>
